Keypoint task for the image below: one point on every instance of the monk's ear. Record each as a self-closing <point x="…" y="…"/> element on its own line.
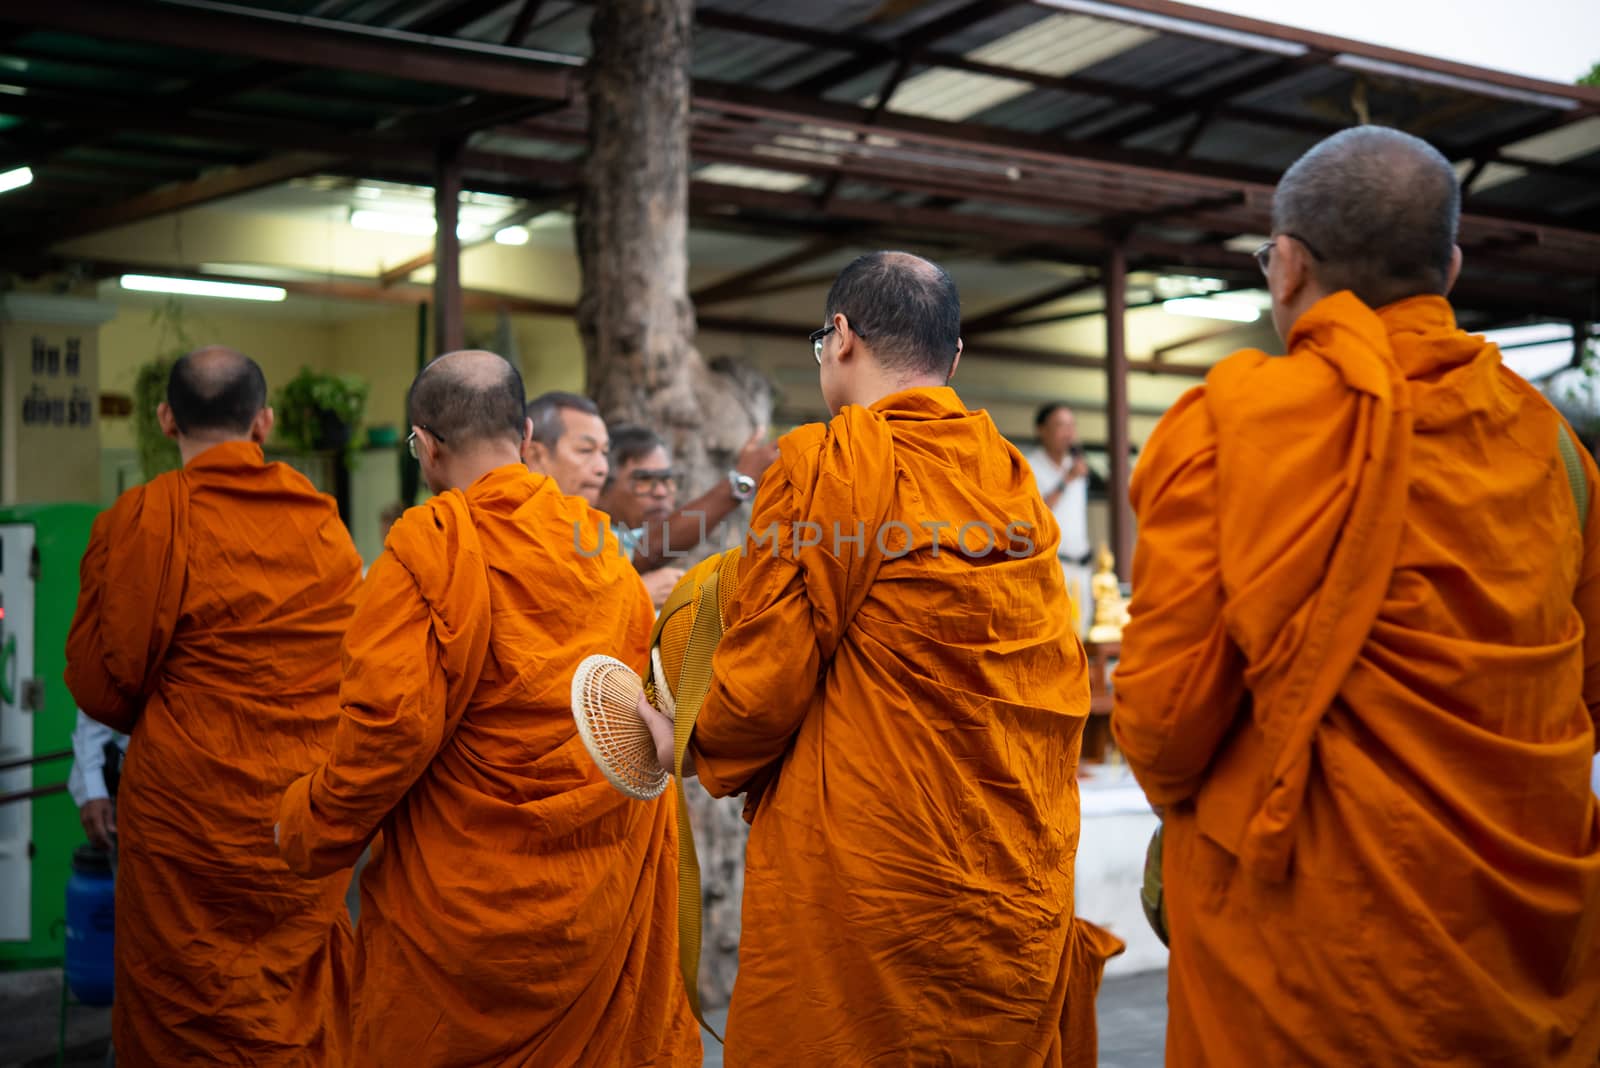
<point x="534" y="456"/>
<point x="1455" y="269"/>
<point x="955" y="362"/>
<point x="169" y="424"/>
<point x="527" y="438"/>
<point x="261" y="426"/>
<point x="1292" y="265"/>
<point x="847" y="337"/>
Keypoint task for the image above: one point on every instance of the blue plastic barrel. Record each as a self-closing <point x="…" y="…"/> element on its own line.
<point x="91" y="929"/>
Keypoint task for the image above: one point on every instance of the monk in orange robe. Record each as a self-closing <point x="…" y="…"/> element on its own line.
<point x="517" y="910"/>
<point x="1363" y="668"/>
<point x="901" y="694"/>
<point x="211" y="607"/>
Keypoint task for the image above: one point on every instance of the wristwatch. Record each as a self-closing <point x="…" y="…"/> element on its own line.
<point x="742" y="485"/>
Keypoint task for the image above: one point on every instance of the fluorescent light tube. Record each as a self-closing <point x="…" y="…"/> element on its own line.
<point x="1232" y="311"/>
<point x="15" y="178"/>
<point x="197" y="287"/>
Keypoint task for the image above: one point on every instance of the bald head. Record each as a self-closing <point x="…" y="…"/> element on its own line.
<point x="905" y="308"/>
<point x="1377" y="210"/>
<point x="468" y="397"/>
<point x="215" y="389"/>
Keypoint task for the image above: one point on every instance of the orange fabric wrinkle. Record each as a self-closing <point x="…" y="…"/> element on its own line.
<point x="906" y="720"/>
<point x="1361" y="675"/>
<point x="212" y="603"/>
<point x="517" y="910"/>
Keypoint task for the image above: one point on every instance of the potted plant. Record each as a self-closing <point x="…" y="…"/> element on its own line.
<point x="318" y="411"/>
<point x="157" y="452"/>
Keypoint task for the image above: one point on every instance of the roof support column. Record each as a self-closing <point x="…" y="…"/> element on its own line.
<point x="449" y="328"/>
<point x="1115" y="279"/>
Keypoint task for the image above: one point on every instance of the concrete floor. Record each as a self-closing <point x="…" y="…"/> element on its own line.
<point x="1132" y="1009"/>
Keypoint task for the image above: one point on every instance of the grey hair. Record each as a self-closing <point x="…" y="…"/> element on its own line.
<point x="1379" y="207"/>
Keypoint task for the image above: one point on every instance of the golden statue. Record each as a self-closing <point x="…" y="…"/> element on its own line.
<point x="1110" y="607"/>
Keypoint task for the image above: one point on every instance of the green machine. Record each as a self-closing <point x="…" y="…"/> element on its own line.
<point x="40" y="547"/>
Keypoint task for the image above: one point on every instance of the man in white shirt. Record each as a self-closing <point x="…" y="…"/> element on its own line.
<point x="1063" y="480"/>
<point x="86" y="782"/>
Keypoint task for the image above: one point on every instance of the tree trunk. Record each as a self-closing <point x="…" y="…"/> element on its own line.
<point x="637" y="325"/>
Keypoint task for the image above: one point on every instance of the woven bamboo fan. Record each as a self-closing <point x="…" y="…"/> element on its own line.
<point x="605" y="706"/>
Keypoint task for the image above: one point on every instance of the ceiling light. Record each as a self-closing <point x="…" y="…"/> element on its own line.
<point x="1232" y="311"/>
<point x="511" y="235"/>
<point x="389" y="222"/>
<point x="15" y="178"/>
<point x="196" y="287"/>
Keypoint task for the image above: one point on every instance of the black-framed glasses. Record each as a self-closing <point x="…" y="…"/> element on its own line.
<point x="645" y="481"/>
<point x="1263" y="254"/>
<point x="411" y="438"/>
<point x="818" y="335"/>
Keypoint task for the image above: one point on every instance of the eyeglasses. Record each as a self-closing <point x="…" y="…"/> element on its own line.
<point x="646" y="481"/>
<point x="818" y="335"/>
<point x="411" y="438"/>
<point x="1263" y="254"/>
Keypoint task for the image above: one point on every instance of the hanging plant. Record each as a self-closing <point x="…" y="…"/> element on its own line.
<point x="317" y="411"/>
<point x="157" y="452"/>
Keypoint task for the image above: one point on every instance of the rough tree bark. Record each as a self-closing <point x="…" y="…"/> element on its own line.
<point x="637" y="325"/>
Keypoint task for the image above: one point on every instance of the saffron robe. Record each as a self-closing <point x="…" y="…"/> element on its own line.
<point x="905" y="715"/>
<point x="1362" y="675"/>
<point x="517" y="910"/>
<point x="211" y="606"/>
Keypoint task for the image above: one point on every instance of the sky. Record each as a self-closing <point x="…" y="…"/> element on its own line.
<point x="1558" y="40"/>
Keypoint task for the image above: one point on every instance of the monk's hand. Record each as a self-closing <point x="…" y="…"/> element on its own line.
<point x="660" y="582"/>
<point x="660" y="726"/>
<point x="756" y="455"/>
<point x="99" y="823"/>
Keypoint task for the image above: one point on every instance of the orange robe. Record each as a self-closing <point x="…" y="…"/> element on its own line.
<point x="211" y="607"/>
<point x="1362" y="675"/>
<point x="517" y="909"/>
<point x="906" y="719"/>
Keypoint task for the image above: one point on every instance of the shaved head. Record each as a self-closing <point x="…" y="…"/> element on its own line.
<point x="1377" y="209"/>
<point x="468" y="397"/>
<point x="904" y="307"/>
<point x="215" y="389"/>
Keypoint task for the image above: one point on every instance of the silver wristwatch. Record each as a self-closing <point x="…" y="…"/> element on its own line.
<point x="742" y="485"/>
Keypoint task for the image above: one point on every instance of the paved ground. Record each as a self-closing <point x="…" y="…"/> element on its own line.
<point x="1133" y="1018"/>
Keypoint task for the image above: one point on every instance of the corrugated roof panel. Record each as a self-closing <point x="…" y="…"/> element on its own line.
<point x="563" y="28"/>
<point x="1266" y="147"/>
<point x="751" y="177"/>
<point x="55" y="74"/>
<point x="1548" y="194"/>
<point x="1054" y="45"/>
<point x="1561" y="145"/>
<point x="1165" y="61"/>
<point x="269" y="103"/>
<point x="724" y="56"/>
<point x="117" y="55"/>
<point x="1041" y="110"/>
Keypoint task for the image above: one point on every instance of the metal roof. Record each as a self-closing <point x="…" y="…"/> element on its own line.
<point x="1049" y="129"/>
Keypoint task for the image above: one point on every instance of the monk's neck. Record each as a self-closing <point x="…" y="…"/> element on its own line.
<point x="191" y="447"/>
<point x="880" y="387"/>
<point x="463" y="469"/>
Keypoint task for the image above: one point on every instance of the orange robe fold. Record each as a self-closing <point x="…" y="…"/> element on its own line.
<point x="1363" y="674"/>
<point x="517" y="910"/>
<point x="906" y="717"/>
<point x="212" y="603"/>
